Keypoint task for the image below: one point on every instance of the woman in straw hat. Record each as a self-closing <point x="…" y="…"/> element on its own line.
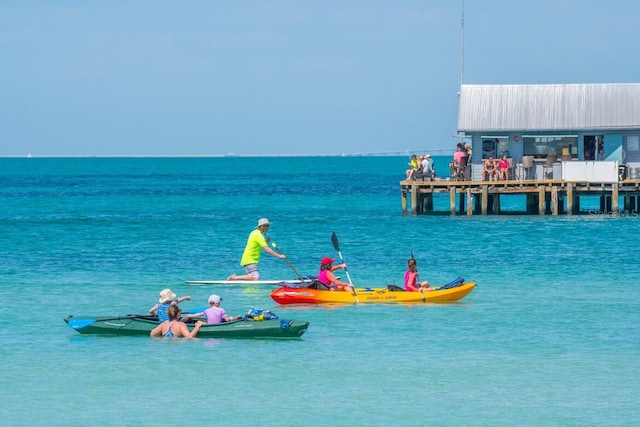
<point x="167" y="299"/>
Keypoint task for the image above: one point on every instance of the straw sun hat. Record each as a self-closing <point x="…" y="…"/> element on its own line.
<point x="166" y="295"/>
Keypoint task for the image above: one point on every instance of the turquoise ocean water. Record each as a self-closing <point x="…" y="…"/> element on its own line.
<point x="550" y="336"/>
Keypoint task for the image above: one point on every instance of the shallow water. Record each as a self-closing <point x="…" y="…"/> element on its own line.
<point x="548" y="337"/>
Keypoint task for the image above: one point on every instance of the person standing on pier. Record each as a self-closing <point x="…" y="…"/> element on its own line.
<point x="459" y="162"/>
<point x="463" y="162"/>
<point x="256" y="242"/>
<point x="467" y="169"/>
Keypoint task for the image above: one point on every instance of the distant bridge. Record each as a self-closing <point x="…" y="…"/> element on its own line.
<point x="408" y="153"/>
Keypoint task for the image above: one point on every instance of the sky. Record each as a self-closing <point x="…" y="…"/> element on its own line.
<point x="230" y="77"/>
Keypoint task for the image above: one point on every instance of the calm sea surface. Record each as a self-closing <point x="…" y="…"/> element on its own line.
<point x="550" y="336"/>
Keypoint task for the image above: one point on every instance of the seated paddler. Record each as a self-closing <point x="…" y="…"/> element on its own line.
<point x="326" y="276"/>
<point x="412" y="281"/>
<point x="214" y="314"/>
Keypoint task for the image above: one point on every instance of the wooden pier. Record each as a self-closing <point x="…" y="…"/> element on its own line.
<point x="542" y="197"/>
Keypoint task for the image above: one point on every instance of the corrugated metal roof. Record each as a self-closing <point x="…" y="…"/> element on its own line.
<point x="549" y="107"/>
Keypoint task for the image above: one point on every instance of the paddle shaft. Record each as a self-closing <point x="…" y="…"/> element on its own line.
<point x="346" y="270"/>
<point x="126" y="316"/>
<point x="336" y="245"/>
<point x="275" y="247"/>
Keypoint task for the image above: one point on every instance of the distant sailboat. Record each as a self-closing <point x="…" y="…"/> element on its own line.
<point x="29" y="155"/>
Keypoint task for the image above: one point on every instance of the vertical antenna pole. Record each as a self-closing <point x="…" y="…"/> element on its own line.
<point x="462" y="47"/>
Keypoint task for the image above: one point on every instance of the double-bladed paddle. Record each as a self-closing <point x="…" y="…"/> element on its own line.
<point x="336" y="245"/>
<point x="83" y="322"/>
<point x="275" y="248"/>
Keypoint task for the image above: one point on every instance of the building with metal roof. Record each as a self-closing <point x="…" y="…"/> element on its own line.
<point x="580" y="122"/>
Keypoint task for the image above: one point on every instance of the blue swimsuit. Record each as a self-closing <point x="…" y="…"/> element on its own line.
<point x="162" y="311"/>
<point x="169" y="334"/>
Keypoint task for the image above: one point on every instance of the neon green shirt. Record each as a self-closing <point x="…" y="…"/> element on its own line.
<point x="253" y="250"/>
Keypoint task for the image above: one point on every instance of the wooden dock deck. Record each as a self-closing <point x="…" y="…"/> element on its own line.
<point x="542" y="197"/>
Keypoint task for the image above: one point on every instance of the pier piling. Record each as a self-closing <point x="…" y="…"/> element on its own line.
<point x="541" y="197"/>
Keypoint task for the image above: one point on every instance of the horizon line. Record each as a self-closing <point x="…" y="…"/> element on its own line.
<point x="439" y="152"/>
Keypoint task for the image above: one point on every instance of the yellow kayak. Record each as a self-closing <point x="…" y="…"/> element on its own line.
<point x="297" y="295"/>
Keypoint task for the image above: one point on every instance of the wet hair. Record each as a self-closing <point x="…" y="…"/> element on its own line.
<point x="411" y="262"/>
<point x="174" y="312"/>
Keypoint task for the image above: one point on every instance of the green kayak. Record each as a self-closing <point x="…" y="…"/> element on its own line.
<point x="142" y="325"/>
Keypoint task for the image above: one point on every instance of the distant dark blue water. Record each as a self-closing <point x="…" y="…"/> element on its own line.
<point x="548" y="337"/>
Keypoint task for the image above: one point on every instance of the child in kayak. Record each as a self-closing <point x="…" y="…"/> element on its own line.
<point x="326" y="276"/>
<point x="214" y="314"/>
<point x="167" y="299"/>
<point x="174" y="327"/>
<point x="411" y="278"/>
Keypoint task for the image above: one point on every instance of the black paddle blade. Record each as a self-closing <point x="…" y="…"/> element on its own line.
<point x="334" y="240"/>
<point x="412" y="257"/>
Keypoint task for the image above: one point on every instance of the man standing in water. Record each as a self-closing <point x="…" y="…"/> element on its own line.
<point x="251" y="256"/>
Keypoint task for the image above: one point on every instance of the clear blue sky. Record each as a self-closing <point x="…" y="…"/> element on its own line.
<point x="157" y="77"/>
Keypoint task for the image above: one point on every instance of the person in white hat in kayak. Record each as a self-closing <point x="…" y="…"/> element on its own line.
<point x="256" y="242"/>
<point x="214" y="314"/>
